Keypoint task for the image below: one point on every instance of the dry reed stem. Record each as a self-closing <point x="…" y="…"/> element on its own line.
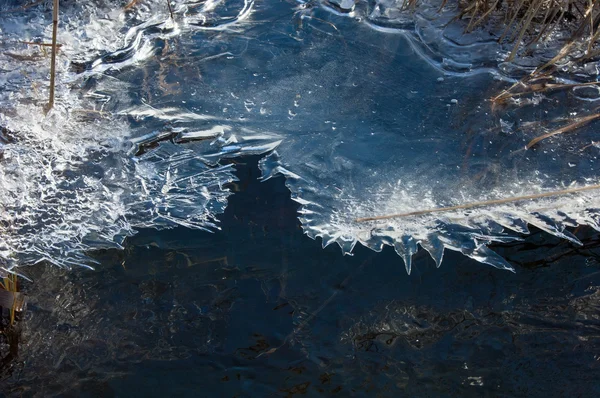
<point x="512" y="21"/>
<point x="473" y="205"/>
<point x="53" y="61"/>
<point x="565" y="129"/>
<point x="170" y="10"/>
<point x="532" y="11"/>
<point x="540" y="87"/>
<point x="564" y="51"/>
<point x="482" y="17"/>
<point x="550" y="16"/>
<point x="33" y="43"/>
<point x="10" y="285"/>
<point x="131" y="4"/>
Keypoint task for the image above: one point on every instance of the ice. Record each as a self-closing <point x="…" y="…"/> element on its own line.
<point x="365" y="108"/>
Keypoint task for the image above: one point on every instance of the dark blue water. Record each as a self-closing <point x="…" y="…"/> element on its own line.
<point x="260" y="310"/>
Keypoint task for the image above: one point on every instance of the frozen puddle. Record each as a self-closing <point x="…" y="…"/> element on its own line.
<point x="365" y="110"/>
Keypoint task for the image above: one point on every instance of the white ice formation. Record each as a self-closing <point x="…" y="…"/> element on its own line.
<point x="365" y="108"/>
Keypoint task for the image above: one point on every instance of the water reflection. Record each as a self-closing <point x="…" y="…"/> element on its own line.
<point x="259" y="309"/>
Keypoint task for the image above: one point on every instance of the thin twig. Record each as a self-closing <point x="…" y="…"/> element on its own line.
<point x="481" y="204"/>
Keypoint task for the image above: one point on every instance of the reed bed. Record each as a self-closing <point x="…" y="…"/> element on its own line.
<point x="526" y="23"/>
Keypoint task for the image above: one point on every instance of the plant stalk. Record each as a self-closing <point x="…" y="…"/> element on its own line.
<point x="53" y="61"/>
<point x="170" y="10"/>
<point x="480" y="204"/>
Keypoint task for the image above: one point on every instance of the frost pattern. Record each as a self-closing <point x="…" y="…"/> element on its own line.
<point x="69" y="181"/>
<point x="365" y="108"/>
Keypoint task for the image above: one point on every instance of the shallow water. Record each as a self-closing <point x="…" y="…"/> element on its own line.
<point x="259" y="309"/>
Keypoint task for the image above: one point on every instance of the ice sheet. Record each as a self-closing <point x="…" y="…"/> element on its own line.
<point x="365" y="108"/>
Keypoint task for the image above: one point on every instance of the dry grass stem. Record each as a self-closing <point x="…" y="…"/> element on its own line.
<point x="32" y="43"/>
<point x="53" y="61"/>
<point x="10" y="285"/>
<point x="589" y="23"/>
<point x="473" y="205"/>
<point x="131" y="4"/>
<point x="565" y="129"/>
<point x="170" y="10"/>
<point x="539" y="87"/>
